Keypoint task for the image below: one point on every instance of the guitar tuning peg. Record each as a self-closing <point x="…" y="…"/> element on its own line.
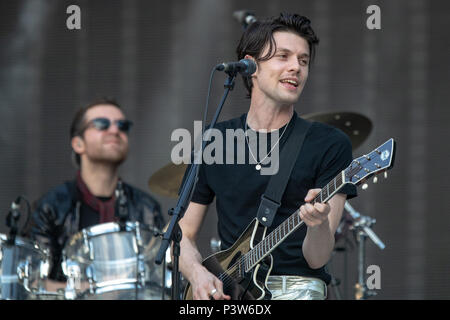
<point x="385" y="174"/>
<point x="375" y="179"/>
<point x="365" y="186"/>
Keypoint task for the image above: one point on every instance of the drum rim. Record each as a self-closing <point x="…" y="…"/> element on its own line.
<point x="108" y="227"/>
<point x="26" y="243"/>
<point x="102" y="229"/>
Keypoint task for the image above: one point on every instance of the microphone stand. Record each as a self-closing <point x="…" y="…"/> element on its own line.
<point x="121" y="205"/>
<point x="122" y="213"/>
<point x="173" y="233"/>
<point x="361" y="226"/>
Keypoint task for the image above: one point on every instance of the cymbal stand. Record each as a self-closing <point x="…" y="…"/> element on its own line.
<point x="361" y="226"/>
<point x="335" y="282"/>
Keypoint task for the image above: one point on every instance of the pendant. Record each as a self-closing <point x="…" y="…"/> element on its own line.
<point x="258" y="167"/>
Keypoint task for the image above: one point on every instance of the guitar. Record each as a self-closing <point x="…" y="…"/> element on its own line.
<point x="245" y="266"/>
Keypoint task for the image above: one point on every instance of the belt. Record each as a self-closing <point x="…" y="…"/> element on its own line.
<point x="285" y="283"/>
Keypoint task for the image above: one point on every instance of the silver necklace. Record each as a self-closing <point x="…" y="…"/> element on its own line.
<point x="258" y="163"/>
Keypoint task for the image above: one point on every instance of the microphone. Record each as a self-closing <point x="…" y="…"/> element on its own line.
<point x="244" y="17"/>
<point x="246" y="67"/>
<point x="15" y="208"/>
<point x="12" y="218"/>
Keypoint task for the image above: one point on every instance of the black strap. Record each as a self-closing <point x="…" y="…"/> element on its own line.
<point x="271" y="199"/>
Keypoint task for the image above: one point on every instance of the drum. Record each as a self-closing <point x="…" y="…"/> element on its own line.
<point x="110" y="262"/>
<point x="24" y="266"/>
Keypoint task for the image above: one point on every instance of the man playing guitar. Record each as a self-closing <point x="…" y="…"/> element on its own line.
<point x="283" y="48"/>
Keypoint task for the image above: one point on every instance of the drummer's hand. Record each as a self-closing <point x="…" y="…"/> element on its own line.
<point x="54" y="286"/>
<point x="206" y="286"/>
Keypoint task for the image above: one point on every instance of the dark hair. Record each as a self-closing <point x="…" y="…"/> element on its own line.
<point x="78" y="122"/>
<point x="260" y="33"/>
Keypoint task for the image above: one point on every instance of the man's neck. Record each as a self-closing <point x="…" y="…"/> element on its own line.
<point x="263" y="116"/>
<point x="100" y="179"/>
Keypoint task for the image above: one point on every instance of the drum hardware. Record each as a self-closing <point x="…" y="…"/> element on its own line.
<point x="121" y="205"/>
<point x="24" y="264"/>
<point x="361" y="226"/>
<point x="87" y="248"/>
<point x="335" y="282"/>
<point x="24" y="267"/>
<point x="23" y="273"/>
<point x="13" y="218"/>
<point x="122" y="265"/>
<point x="91" y="279"/>
<point x="73" y="283"/>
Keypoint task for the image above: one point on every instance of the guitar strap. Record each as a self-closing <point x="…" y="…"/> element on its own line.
<point x="271" y="199"/>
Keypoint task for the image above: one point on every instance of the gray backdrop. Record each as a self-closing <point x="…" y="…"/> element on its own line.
<point x="155" y="57"/>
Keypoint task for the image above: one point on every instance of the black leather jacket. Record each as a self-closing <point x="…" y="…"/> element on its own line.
<point x="57" y="216"/>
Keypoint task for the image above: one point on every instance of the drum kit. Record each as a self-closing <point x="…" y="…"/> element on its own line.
<point x="115" y="261"/>
<point x="108" y="261"/>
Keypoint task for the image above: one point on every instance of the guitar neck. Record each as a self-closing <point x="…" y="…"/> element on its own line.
<point x="279" y="234"/>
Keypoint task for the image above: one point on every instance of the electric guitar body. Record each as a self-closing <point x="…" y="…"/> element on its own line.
<point x="228" y="266"/>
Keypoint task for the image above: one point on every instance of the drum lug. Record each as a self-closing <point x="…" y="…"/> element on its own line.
<point x="87" y="245"/>
<point x="91" y="279"/>
<point x="141" y="270"/>
<point x="44" y="269"/>
<point x="73" y="273"/>
<point x="138" y="235"/>
<point x="23" y="273"/>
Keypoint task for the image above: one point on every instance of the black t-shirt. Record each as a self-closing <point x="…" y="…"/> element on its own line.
<point x="238" y="188"/>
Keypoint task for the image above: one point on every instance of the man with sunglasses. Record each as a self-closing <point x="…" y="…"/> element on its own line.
<point x="99" y="140"/>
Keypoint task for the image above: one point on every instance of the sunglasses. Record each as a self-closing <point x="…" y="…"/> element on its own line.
<point x="104" y="123"/>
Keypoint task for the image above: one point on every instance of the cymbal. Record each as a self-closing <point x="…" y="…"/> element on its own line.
<point x="167" y="180"/>
<point x="355" y="125"/>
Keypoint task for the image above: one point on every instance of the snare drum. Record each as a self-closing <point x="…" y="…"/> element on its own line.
<point x="24" y="266"/>
<point x="107" y="262"/>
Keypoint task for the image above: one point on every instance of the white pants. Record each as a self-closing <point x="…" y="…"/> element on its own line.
<point x="296" y="288"/>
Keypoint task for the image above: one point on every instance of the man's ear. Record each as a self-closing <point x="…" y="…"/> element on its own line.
<point x="77" y="144"/>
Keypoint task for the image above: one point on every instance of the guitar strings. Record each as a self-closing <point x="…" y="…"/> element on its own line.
<point x="227" y="276"/>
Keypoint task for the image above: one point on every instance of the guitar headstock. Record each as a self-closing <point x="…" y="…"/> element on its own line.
<point x="377" y="161"/>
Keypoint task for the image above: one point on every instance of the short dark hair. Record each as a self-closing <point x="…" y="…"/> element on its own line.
<point x="260" y="33"/>
<point x="78" y="121"/>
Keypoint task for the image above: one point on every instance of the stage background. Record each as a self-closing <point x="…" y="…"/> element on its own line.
<point x="155" y="58"/>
